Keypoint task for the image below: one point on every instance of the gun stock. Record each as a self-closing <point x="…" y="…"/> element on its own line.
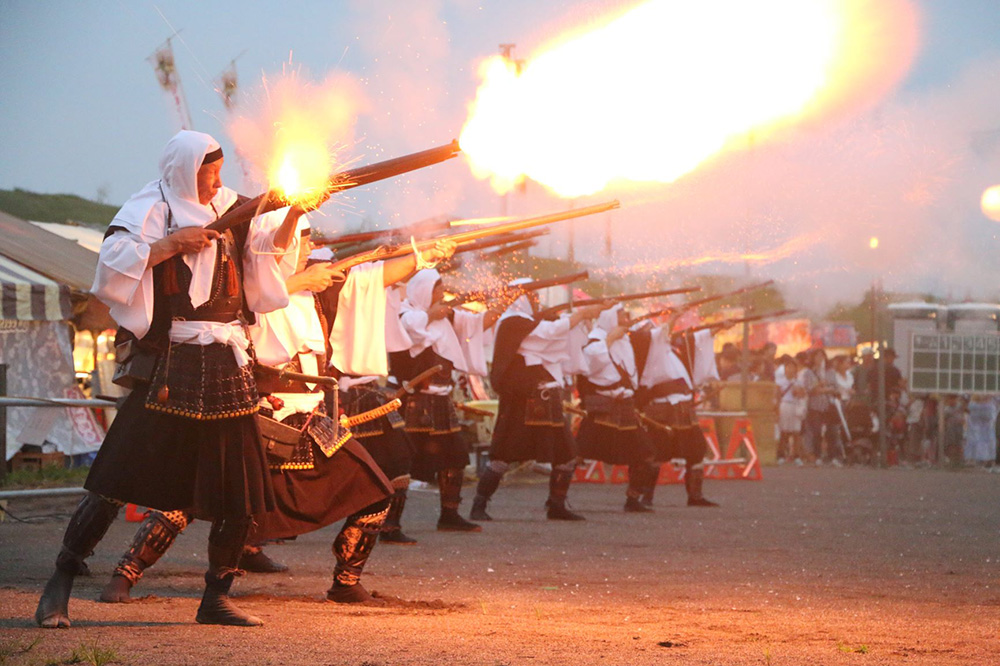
<point x="510" y="249"/>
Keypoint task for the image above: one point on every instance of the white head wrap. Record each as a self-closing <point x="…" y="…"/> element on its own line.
<point x="420" y="290"/>
<point x="178" y="187"/>
<point x="521" y="307"/>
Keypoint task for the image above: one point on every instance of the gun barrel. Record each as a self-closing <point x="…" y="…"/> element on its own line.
<point x="503" y="239"/>
<point x="726" y="323"/>
<point x="511" y="292"/>
<point x="464" y="237"/>
<point x="510" y="249"/>
<point x="719" y="297"/>
<point x="345" y="180"/>
<point x="368" y="236"/>
<point x="616" y="299"/>
<point x="535" y="285"/>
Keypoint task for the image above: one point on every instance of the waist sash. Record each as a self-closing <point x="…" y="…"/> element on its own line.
<point x="681" y="415"/>
<point x="617" y="413"/>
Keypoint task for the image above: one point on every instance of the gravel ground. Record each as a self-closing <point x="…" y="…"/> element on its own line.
<point x="809" y="566"/>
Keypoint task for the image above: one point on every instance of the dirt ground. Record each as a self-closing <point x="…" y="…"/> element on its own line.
<point x="808" y="566"/>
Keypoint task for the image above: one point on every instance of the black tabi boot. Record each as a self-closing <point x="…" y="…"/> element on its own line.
<point x="155" y="535"/>
<point x="225" y="546"/>
<point x="650" y="488"/>
<point x="351" y="548"/>
<point x="392" y="531"/>
<point x="86" y="528"/>
<point x="693" y="480"/>
<point x="559" y="481"/>
<point x="255" y="560"/>
<point x="488" y="484"/>
<point x="450" y="486"/>
<point x="637" y="482"/>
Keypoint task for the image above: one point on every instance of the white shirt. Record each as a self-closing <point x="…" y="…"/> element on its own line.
<point x="663" y="365"/>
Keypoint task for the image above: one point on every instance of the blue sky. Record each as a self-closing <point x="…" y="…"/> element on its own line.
<point x="81" y="112"/>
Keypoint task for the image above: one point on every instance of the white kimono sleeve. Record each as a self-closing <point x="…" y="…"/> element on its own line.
<point x="357" y="339"/>
<point x="705" y="368"/>
<point x="576" y="364"/>
<point x="396" y="338"/>
<point x="489" y="341"/>
<point x="265" y="266"/>
<point x="469" y="330"/>
<point x="124" y="283"/>
<point x="418" y="327"/>
<point x="548" y="345"/>
<point x="547" y="336"/>
<point x="124" y="279"/>
<point x="600" y="370"/>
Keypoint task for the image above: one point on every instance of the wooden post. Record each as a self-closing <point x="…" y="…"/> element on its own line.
<point x="3" y="422"/>
<point x="940" y="432"/>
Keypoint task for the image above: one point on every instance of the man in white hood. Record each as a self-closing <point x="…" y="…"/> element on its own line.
<point x="312" y="489"/>
<point x="671" y="369"/>
<point x="527" y="373"/>
<point x="186" y="437"/>
<point x="365" y="327"/>
<point x="453" y="339"/>
<point x="610" y="431"/>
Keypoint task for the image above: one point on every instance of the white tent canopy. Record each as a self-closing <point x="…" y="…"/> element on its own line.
<point x="36" y="347"/>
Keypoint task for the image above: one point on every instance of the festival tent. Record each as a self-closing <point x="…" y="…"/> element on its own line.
<point x="89" y="237"/>
<point x="44" y="282"/>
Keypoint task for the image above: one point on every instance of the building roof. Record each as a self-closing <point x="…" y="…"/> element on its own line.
<point x="89" y="237"/>
<point x="59" y="259"/>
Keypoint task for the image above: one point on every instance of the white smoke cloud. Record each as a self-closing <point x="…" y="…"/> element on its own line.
<point x="414" y="107"/>
<point x="908" y="170"/>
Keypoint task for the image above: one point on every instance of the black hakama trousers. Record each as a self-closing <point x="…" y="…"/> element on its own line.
<point x="213" y="468"/>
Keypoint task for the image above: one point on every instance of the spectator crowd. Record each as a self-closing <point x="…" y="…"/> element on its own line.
<point x="828" y="411"/>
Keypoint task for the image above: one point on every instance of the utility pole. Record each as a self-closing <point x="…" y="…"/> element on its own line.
<point x="745" y="347"/>
<point x="745" y="343"/>
<point x="607" y="235"/>
<point x="571" y="255"/>
<point x="507" y="53"/>
<point x="883" y="427"/>
<point x="3" y="422"/>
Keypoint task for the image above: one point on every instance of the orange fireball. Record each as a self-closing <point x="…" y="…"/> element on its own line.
<point x="301" y="170"/>
<point x="990" y="203"/>
<point x="291" y="133"/>
<point x="653" y="94"/>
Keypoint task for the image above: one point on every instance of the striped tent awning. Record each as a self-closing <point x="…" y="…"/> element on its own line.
<point x="30" y="296"/>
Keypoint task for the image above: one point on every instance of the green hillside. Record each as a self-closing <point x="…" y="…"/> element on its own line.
<point x="55" y="208"/>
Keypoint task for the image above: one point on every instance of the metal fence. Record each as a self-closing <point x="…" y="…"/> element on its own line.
<point x="19" y="401"/>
